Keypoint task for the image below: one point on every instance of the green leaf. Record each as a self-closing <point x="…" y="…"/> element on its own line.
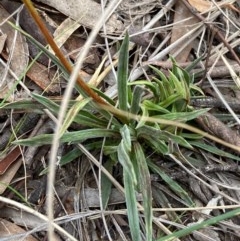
<point x="49" y="104"/>
<point x="192" y="136"/>
<point x="185" y="76"/>
<point x="76" y="153"/>
<point x="201" y="225"/>
<point x="132" y="209"/>
<point x="126" y="137"/>
<point x="85" y="117"/>
<point x="165" y="135"/>
<point x="150" y="85"/>
<point x="180" y="73"/>
<point x="166" y="88"/>
<point x="161" y="200"/>
<point x="18" y="194"/>
<point x="171" y="183"/>
<point x="196" y="89"/>
<point x="70" y="156"/>
<point x="105" y="97"/>
<point x="110" y="149"/>
<point x="23" y="104"/>
<point x="174" y="65"/>
<point x="142" y="122"/>
<point x="125" y="160"/>
<point x="42" y="48"/>
<point x="136" y="99"/>
<point x="160" y="73"/>
<point x="178" y="86"/>
<point x="183" y="116"/>
<point x="193" y="64"/>
<point x="170" y="100"/>
<point x="74" y="136"/>
<point x="145" y="185"/>
<point x="162" y="135"/>
<point x="106" y="184"/>
<point x="124" y="151"/>
<point x="122" y="74"/>
<point x="157" y="144"/>
<point x="214" y="150"/>
<point x="149" y="105"/>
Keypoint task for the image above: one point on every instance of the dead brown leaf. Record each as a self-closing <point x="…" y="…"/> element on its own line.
<point x="7" y="177"/>
<point x="16" y="46"/>
<point x="9" y="159"/>
<point x="90" y="195"/>
<point x="64" y="31"/>
<point x="7" y="229"/>
<point x="6" y="82"/>
<point x="85" y="12"/>
<point x="74" y="46"/>
<point x="8" y="168"/>
<point x="201" y="5"/>
<point x="16" y="52"/>
<point x="41" y="76"/>
<point x="181" y="28"/>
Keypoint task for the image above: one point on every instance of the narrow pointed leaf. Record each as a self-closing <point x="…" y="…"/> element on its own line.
<point x="106" y="184"/>
<point x="72" y="113"/>
<point x="149" y="105"/>
<point x="125" y="160"/>
<point x="132" y="210"/>
<point x="145" y="185"/>
<point x="126" y="137"/>
<point x="183" y="116"/>
<point x="49" y="104"/>
<point x="136" y="100"/>
<point x="201" y="225"/>
<point x="214" y="150"/>
<point x="122" y="75"/>
<point x="172" y="184"/>
<point x="74" y="136"/>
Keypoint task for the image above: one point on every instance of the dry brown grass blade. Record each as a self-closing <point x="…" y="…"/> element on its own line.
<point x="59" y="54"/>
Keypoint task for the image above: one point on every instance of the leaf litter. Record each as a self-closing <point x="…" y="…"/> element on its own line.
<point x="158" y="30"/>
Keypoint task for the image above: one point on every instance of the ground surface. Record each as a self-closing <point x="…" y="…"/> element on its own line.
<point x="175" y="170"/>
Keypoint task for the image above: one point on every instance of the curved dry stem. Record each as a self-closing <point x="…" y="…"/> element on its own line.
<point x="58" y="52"/>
